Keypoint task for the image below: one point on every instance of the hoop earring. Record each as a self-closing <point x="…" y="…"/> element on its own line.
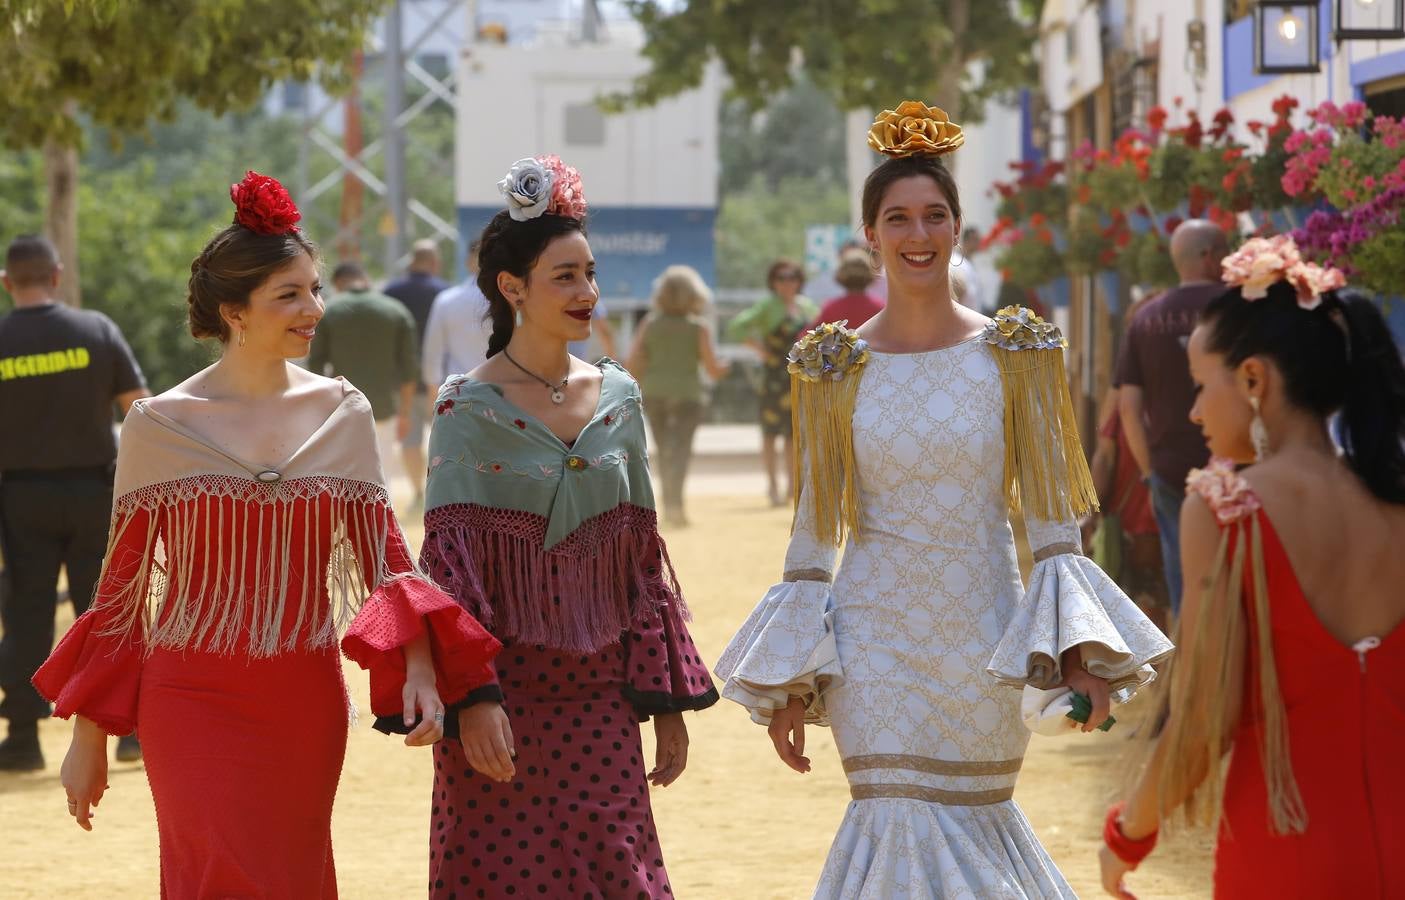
<point x="1258" y="432"/>
<point x="875" y="262"/>
<point x="241" y="337"/>
<point x="517" y="316"/>
<point x="957" y="246"/>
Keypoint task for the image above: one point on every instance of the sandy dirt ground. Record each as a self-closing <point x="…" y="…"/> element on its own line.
<point x="737" y="825"/>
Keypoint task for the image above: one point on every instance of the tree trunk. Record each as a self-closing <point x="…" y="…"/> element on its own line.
<point x="61" y="216"/>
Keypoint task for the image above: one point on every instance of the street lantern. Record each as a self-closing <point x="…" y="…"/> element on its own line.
<point x="1286" y="36"/>
<point x="1370" y="19"/>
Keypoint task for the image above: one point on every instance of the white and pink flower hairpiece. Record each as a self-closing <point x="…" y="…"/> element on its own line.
<point x="543" y="184"/>
<point x="1262" y="262"/>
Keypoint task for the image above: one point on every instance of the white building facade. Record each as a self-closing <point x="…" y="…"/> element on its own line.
<point x="650" y="175"/>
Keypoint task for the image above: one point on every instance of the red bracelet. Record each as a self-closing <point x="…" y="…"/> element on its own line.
<point x="1124" y="848"/>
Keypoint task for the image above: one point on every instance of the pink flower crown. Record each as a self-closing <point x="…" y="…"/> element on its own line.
<point x="1262" y="262"/>
<point x="543" y="184"/>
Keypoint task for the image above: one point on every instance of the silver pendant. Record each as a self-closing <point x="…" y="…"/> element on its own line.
<point x="558" y="395"/>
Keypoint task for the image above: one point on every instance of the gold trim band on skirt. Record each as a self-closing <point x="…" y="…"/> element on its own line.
<point x="930" y="794"/>
<point x="823" y="575"/>
<point x="933" y="766"/>
<point x="1058" y="549"/>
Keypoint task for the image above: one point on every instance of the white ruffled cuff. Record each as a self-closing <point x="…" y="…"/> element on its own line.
<point x="1072" y="602"/>
<point x="785" y="648"/>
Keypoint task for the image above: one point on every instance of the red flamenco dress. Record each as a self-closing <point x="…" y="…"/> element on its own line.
<point x="556" y="549"/>
<point x="1342" y="710"/>
<point x="214" y="634"/>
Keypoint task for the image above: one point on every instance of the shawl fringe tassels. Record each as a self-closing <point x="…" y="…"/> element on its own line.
<point x="611" y="574"/>
<point x="1199" y="737"/>
<point x="185" y="594"/>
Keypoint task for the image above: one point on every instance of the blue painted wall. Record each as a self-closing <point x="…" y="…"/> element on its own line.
<point x="632" y="245"/>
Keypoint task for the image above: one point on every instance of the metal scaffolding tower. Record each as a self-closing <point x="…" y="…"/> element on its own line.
<point x="379" y="166"/>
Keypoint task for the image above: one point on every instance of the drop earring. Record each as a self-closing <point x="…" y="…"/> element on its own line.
<point x="1258" y="432"/>
<point x="241" y="336"/>
<point x="875" y="262"/>
<point x="517" y="316"/>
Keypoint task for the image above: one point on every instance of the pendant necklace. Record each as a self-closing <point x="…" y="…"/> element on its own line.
<point x="558" y="391"/>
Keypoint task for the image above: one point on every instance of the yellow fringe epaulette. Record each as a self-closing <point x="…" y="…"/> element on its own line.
<point x="825" y="367"/>
<point x="1046" y="475"/>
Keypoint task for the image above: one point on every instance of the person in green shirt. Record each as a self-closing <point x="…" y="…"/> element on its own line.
<point x="369" y="339"/>
<point x="770" y="327"/>
<point x="671" y="349"/>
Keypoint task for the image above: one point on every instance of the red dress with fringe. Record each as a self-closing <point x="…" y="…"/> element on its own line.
<point x="1346" y="726"/>
<point x="199" y="639"/>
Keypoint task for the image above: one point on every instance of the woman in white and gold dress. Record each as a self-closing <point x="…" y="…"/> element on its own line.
<point x="917" y="437"/>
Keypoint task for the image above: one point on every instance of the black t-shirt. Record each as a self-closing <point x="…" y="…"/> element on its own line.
<point x="417" y="291"/>
<point x="61" y="369"/>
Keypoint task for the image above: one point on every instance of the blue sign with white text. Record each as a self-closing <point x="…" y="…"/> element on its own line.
<point x="632" y="245"/>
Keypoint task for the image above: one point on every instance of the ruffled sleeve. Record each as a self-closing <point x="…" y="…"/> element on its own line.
<point x="95" y="671"/>
<point x="665" y="671"/>
<point x="401" y="607"/>
<point x="784" y="649"/>
<point x="1069" y="601"/>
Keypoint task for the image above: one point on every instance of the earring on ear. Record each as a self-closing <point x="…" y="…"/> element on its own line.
<point x="1258" y="432"/>
<point x="517" y="317"/>
<point x="241" y="335"/>
<point x="875" y="262"/>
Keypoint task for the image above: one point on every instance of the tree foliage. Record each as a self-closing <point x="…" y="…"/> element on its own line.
<point x="867" y="54"/>
<point x="148" y="207"/>
<point x="764" y="222"/>
<point x="123" y="63"/>
<point x="799" y="134"/>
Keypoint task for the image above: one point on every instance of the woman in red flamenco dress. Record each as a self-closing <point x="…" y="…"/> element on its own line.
<point x="1293" y="656"/>
<point x="251" y="527"/>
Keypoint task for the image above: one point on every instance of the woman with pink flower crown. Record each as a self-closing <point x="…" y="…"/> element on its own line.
<point x="251" y="528"/>
<point x="1292" y="654"/>
<point x="539" y="518"/>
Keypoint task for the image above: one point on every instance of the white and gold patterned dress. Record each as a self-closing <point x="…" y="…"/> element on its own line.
<point x="916" y="651"/>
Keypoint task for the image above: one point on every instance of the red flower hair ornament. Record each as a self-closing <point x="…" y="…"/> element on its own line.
<point x="263" y="206"/>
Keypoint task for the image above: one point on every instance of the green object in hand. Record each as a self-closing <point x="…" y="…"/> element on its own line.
<point x="1083" y="708"/>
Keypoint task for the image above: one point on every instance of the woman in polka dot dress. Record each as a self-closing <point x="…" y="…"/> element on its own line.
<point x="540" y="519"/>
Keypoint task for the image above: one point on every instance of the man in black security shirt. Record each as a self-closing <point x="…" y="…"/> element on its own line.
<point x="62" y="370"/>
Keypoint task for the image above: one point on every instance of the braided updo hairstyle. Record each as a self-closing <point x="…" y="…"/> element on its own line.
<point x="508" y="245"/>
<point x="232" y="265"/>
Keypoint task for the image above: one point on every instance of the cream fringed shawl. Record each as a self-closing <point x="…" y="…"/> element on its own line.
<point x="211" y="552"/>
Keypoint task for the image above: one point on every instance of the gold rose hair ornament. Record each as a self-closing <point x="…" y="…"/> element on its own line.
<point x="914" y="129"/>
